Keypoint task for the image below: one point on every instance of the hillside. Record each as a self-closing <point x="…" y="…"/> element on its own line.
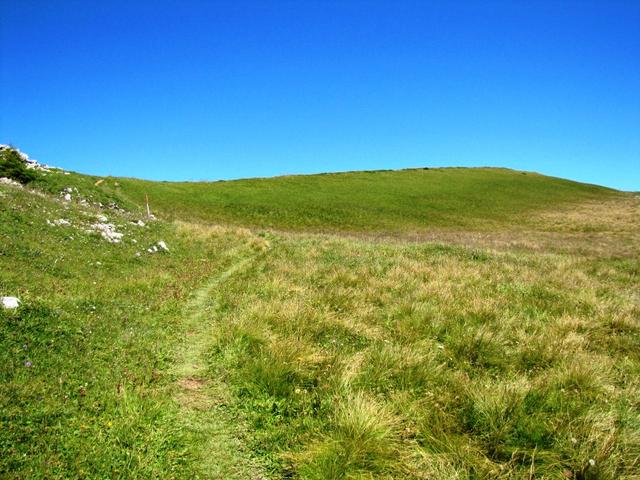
<point x="505" y="345"/>
<point x="380" y="201"/>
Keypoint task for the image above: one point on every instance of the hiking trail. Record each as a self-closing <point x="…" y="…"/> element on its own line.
<point x="221" y="452"/>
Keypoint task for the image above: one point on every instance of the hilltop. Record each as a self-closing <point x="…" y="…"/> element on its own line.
<point x="474" y="207"/>
<point x="410" y="201"/>
<point x="379" y="201"/>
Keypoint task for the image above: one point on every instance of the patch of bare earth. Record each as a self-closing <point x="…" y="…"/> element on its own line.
<point x="193" y="394"/>
<point x="191" y="384"/>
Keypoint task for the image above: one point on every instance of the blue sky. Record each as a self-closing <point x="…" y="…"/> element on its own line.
<point x="194" y="90"/>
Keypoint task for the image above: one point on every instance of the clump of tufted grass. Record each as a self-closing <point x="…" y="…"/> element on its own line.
<point x="362" y="440"/>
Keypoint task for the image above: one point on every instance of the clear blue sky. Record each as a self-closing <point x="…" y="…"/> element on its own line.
<point x="208" y="90"/>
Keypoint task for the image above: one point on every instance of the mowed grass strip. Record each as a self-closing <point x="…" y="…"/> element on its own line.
<point x="216" y="434"/>
<point x="352" y="360"/>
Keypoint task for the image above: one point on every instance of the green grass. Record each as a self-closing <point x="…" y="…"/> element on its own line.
<point x="352" y="360"/>
<point x="384" y="201"/>
<point x="259" y="353"/>
<point x="101" y="329"/>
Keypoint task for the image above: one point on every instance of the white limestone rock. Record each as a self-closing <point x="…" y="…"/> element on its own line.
<point x="108" y="232"/>
<point x="10" y="303"/>
<point x="8" y="181"/>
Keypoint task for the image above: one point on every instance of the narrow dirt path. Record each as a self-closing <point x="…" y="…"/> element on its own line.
<point x="202" y="399"/>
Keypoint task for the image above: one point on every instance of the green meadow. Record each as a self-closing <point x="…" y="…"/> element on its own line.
<point x="416" y="324"/>
<point x="379" y="201"/>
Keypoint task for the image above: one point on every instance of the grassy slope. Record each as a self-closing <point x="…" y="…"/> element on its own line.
<point x="384" y="201"/>
<point x="101" y="329"/>
<point x="343" y="358"/>
<point x="353" y="360"/>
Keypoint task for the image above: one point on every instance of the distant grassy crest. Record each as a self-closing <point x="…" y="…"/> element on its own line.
<point x="387" y="201"/>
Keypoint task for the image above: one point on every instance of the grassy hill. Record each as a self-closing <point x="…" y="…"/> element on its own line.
<point x="254" y="350"/>
<point x="380" y="201"/>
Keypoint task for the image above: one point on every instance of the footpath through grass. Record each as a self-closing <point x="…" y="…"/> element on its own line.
<point x="220" y="451"/>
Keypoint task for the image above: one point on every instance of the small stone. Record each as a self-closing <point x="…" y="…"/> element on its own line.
<point x="592" y="462"/>
<point x="10" y="302"/>
<point x="163" y="246"/>
<point x="67" y="197"/>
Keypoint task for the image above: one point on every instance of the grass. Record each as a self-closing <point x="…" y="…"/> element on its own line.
<point x="100" y="329"/>
<point x="383" y="201"/>
<point x="220" y="454"/>
<point x="485" y="347"/>
<point x="352" y="360"/>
